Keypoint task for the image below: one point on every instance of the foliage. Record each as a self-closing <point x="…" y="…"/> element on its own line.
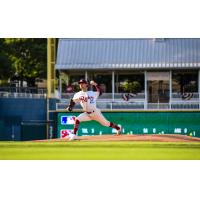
<point x="5" y="63"/>
<point x="27" y="58"/>
<point x="134" y="86"/>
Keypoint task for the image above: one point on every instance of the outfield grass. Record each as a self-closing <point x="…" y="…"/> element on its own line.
<point x="80" y="150"/>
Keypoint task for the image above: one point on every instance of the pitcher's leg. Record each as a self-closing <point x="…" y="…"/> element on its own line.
<point x="76" y="125"/>
<point x="81" y="118"/>
<point x="102" y="120"/>
<point x="114" y="126"/>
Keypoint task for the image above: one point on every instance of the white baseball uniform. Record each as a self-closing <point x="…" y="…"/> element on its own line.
<point x="88" y="103"/>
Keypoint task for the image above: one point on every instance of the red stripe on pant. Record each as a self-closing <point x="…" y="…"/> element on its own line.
<point x="76" y="125"/>
<point x="114" y="126"/>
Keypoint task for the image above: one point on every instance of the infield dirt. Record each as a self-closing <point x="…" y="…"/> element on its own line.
<point x="153" y="138"/>
<point x="143" y="137"/>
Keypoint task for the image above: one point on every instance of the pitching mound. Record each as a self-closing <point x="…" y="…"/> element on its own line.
<point x="145" y="137"/>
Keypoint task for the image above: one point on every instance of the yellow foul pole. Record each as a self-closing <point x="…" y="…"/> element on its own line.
<point x="51" y="57"/>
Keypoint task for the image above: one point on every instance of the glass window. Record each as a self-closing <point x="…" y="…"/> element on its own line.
<point x="104" y="79"/>
<point x="158" y="87"/>
<point x="185" y="81"/>
<point x="70" y="81"/>
<point x="129" y="82"/>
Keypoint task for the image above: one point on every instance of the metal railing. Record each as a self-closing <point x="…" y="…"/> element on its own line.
<point x="139" y="102"/>
<point x="21" y="95"/>
<point x="33" y="90"/>
<point x="109" y="105"/>
<point x="108" y="101"/>
<point x="106" y="96"/>
<point x="185" y="105"/>
<point x="22" y="92"/>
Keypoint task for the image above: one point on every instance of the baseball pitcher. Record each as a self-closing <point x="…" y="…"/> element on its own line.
<point x="87" y="99"/>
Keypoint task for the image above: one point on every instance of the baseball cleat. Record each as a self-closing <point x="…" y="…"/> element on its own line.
<point x="72" y="137"/>
<point x="119" y="132"/>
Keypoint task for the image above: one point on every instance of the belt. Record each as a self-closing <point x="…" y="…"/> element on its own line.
<point x="90" y="112"/>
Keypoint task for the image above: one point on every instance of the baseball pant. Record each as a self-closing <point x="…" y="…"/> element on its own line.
<point x="96" y="115"/>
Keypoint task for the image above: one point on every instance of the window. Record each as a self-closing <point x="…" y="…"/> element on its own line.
<point x="104" y="79"/>
<point x="129" y="82"/>
<point x="185" y="81"/>
<point x="158" y="87"/>
<point x="70" y="81"/>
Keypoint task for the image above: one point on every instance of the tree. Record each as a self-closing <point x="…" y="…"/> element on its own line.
<point x="5" y="63"/>
<point x="28" y="57"/>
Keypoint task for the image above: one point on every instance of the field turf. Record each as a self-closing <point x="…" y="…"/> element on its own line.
<point x="82" y="150"/>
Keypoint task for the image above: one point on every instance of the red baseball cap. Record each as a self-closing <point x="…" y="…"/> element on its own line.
<point x="82" y="81"/>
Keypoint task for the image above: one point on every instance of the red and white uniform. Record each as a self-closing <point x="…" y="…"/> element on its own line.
<point x="88" y="103"/>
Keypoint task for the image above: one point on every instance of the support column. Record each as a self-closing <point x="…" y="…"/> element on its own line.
<point x="170" y="89"/>
<point x="117" y="82"/>
<point x="60" y="84"/>
<point x="145" y="90"/>
<point x="51" y="56"/>
<point x="199" y="87"/>
<point x="86" y="75"/>
<point x="113" y="85"/>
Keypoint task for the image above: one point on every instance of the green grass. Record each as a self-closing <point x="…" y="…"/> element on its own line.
<point x="80" y="150"/>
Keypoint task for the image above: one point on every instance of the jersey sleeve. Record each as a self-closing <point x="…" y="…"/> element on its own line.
<point x="76" y="98"/>
<point x="98" y="91"/>
<point x="96" y="95"/>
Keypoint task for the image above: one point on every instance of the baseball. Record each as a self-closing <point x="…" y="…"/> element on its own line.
<point x="92" y="82"/>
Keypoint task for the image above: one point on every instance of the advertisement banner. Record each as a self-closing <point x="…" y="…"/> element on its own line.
<point x="65" y="132"/>
<point x="150" y="122"/>
<point x="67" y="120"/>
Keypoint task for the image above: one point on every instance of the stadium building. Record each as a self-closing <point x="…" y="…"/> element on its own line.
<point x="148" y="73"/>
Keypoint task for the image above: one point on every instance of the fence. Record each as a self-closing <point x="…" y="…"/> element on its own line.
<point x="110" y="101"/>
<point x="185" y="123"/>
<point x="36" y="130"/>
<point x="22" y="92"/>
<point x="109" y="105"/>
<point x="33" y="90"/>
<point x="14" y="111"/>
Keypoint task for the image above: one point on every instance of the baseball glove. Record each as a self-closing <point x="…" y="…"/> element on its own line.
<point x="71" y="105"/>
<point x="69" y="108"/>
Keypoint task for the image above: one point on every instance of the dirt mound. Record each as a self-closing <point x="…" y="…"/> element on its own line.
<point x="142" y="137"/>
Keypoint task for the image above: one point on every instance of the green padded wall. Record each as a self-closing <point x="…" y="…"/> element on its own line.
<point x="148" y="122"/>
